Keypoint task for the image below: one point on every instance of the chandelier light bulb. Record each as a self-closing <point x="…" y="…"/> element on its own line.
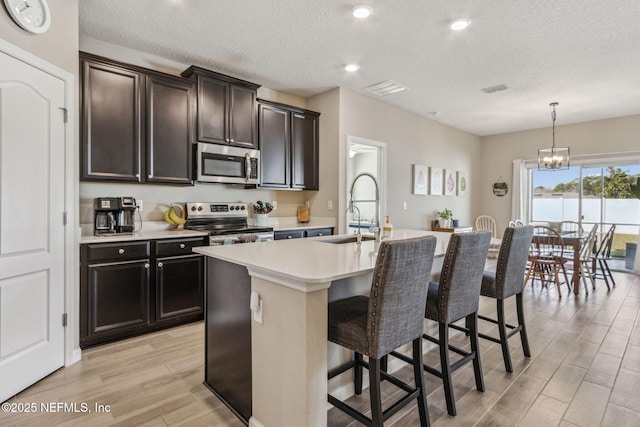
<point x="352" y="68"/>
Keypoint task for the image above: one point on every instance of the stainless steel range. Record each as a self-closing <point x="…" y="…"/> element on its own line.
<point x="226" y="223"/>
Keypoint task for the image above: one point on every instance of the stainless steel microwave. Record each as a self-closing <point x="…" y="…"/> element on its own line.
<point x="227" y="165"/>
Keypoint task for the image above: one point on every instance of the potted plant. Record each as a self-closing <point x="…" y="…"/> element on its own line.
<point x="262" y="210"/>
<point x="444" y="218"/>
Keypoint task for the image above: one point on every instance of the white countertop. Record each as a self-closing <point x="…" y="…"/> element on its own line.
<point x="312" y="261"/>
<point x="147" y="233"/>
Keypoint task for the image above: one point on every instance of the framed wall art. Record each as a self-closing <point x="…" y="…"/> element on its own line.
<point x="435" y="181"/>
<point x="450" y="182"/>
<point x="463" y="184"/>
<point x="419" y="179"/>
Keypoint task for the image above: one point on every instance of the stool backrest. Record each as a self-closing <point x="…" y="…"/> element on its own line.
<point x="398" y="293"/>
<point x="512" y="260"/>
<point x="587" y="246"/>
<point x="461" y="275"/>
<point x="604" y="250"/>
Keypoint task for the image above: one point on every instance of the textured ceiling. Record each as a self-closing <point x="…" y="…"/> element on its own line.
<point x="585" y="54"/>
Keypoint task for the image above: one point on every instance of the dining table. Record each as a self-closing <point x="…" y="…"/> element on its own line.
<point x="573" y="239"/>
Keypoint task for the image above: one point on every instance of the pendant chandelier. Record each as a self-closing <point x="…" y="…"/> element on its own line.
<point x="553" y="158"/>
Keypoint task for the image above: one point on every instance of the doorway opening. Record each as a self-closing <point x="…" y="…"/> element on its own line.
<point x="366" y="183"/>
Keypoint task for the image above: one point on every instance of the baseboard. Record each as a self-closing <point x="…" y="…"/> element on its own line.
<point x="253" y="422"/>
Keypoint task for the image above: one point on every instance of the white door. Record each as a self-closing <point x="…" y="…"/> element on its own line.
<point x="32" y="160"/>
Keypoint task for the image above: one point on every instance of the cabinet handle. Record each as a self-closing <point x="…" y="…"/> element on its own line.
<point x="320" y="234"/>
<point x="182" y="246"/>
<point x="138" y="175"/>
<point x="150" y="176"/>
<point x="231" y="140"/>
<point x="159" y="265"/>
<point x="289" y="237"/>
<point x="120" y="251"/>
<point x="147" y="266"/>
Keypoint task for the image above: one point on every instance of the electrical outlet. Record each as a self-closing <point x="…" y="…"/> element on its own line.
<point x="306" y="203"/>
<point x="404" y="205"/>
<point x="330" y="205"/>
<point x="140" y="204"/>
<point x="275" y="205"/>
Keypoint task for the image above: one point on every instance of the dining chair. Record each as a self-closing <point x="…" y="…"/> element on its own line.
<point x="391" y="316"/>
<point x="547" y="257"/>
<point x="602" y="255"/>
<point x="504" y="282"/>
<point x="456" y="296"/>
<point x="586" y="254"/>
<point x="515" y="223"/>
<point x="487" y="223"/>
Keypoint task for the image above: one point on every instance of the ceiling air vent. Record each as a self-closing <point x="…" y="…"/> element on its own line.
<point x="386" y="88"/>
<point x="493" y="89"/>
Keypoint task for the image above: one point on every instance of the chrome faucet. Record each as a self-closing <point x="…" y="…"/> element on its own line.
<point x="358" y="233"/>
<point x="373" y="229"/>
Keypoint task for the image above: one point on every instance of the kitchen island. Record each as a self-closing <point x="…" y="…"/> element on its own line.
<point x="295" y="280"/>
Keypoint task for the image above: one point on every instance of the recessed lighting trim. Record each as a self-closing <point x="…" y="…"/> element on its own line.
<point x="459" y="24"/>
<point x="352" y="68"/>
<point x="361" y="12"/>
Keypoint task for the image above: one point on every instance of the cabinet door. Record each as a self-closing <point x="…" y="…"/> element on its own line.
<point x="169" y="130"/>
<point x="180" y="286"/>
<point x="212" y="110"/>
<point x="242" y="116"/>
<point x="112" y="132"/>
<point x="118" y="297"/>
<point x="274" y="146"/>
<point x="304" y="151"/>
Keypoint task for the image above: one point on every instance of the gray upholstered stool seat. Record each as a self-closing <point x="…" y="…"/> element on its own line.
<point x="455" y="297"/>
<point x="505" y="282"/>
<point x="390" y="317"/>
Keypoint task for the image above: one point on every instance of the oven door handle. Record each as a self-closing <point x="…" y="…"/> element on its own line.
<point x="223" y="240"/>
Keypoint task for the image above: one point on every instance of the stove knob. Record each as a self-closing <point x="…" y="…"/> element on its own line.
<point x="242" y="207"/>
<point x="232" y="207"/>
<point x="193" y="208"/>
<point x="199" y="208"/>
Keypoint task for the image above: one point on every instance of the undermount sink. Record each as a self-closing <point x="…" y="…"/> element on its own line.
<point x="349" y="239"/>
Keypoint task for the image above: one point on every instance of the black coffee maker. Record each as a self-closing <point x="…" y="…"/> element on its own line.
<point x="114" y="215"/>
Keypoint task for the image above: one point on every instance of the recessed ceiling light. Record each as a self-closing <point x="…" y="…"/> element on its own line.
<point x="459" y="24"/>
<point x="352" y="67"/>
<point x="361" y="12"/>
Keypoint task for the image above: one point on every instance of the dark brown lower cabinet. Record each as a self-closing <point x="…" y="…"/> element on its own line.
<point x="122" y="294"/>
<point x="179" y="286"/>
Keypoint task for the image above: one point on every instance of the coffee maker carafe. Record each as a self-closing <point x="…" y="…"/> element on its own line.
<point x="114" y="215"/>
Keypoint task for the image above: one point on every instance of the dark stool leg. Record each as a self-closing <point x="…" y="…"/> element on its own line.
<point x="444" y="366"/>
<point x="604" y="274"/>
<point x="418" y="377"/>
<point x="357" y="373"/>
<point x="472" y="321"/>
<point x="384" y="361"/>
<point x="523" y="331"/>
<point x="606" y="264"/>
<point x="504" y="342"/>
<point x="374" y="392"/>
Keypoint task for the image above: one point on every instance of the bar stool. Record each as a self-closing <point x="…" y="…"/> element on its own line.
<point x="505" y="282"/>
<point x="456" y="297"/>
<point x="391" y="316"/>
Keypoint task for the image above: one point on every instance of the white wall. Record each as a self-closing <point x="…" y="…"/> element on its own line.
<point x="410" y="139"/>
<point x="616" y="135"/>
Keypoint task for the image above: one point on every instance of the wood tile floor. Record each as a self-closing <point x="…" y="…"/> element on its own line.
<point x="584" y="371"/>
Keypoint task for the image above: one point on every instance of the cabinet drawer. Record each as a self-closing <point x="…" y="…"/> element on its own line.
<point x="179" y="246"/>
<point x="118" y="251"/>
<point x="319" y="232"/>
<point x="294" y="234"/>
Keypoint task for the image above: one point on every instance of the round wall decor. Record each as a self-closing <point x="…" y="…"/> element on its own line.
<point x="500" y="188"/>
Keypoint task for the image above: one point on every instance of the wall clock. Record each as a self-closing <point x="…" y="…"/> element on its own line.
<point x="30" y="15"/>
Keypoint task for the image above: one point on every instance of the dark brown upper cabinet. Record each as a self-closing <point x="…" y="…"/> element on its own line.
<point x="288" y="146"/>
<point x="137" y="124"/>
<point x="226" y="108"/>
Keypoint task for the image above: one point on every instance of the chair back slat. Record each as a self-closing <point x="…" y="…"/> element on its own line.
<point x="512" y="260"/>
<point x="486" y="223"/>
<point x="398" y="293"/>
<point x="604" y="250"/>
<point x="587" y="246"/>
<point x="461" y="275"/>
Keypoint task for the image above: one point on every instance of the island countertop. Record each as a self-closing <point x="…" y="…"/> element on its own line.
<point x="312" y="260"/>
